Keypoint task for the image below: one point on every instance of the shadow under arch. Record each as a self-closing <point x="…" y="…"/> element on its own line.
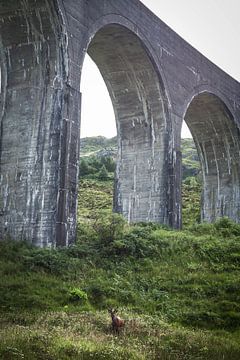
<point x="140" y="106"/>
<point x="217" y="139"/>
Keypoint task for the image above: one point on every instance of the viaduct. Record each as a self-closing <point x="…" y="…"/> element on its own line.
<point x="155" y="80"/>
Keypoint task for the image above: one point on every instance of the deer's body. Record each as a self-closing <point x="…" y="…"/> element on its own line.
<point x="117" y="322"/>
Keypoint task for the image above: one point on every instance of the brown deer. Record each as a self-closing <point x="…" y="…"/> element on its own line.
<point x="117" y="322"/>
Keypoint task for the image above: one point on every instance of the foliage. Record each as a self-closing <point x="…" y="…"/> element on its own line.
<point x="103" y="174"/>
<point x="190" y="160"/>
<point x="108" y="227"/>
<point x="191" y="193"/>
<point x="109" y="163"/>
<point x="94" y="196"/>
<point x="189" y="278"/>
<point x="164" y="282"/>
<point x="78" y="295"/>
<point x="94" y="167"/>
<point x="85" y="168"/>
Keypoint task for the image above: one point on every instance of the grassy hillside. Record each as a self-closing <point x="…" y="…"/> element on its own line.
<point x="179" y="293"/>
<point x="98" y="144"/>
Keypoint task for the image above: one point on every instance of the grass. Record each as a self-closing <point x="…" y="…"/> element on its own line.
<point x="191" y="195"/>
<point x="178" y="291"/>
<point x="87" y="336"/>
<point x="94" y="195"/>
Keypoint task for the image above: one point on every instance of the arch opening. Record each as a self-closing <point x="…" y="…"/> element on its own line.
<point x="137" y="95"/>
<point x="97" y="120"/>
<point x="191" y="179"/>
<point x="216" y="137"/>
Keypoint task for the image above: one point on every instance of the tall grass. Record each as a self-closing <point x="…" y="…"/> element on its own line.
<point x="178" y="291"/>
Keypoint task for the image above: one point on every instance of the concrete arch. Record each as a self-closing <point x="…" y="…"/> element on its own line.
<point x="216" y="136"/>
<point x="143" y="125"/>
<point x="211" y="90"/>
<point x="111" y="19"/>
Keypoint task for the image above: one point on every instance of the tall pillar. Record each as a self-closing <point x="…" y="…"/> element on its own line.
<point x="37" y="127"/>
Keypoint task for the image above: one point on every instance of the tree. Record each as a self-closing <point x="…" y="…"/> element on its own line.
<point x="103" y="174"/>
<point x="109" y="163"/>
<point x="84" y="167"/>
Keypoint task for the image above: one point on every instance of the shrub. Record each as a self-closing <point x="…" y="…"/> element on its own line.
<point x="109" y="227"/>
<point x="78" y="295"/>
<point x="98" y="292"/>
<point x="193" y="182"/>
<point x="103" y="173"/>
<point x="133" y="245"/>
<point x="48" y="260"/>
<point x="226" y="227"/>
<point x="109" y="163"/>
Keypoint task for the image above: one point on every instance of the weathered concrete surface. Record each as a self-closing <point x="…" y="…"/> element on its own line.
<point x="217" y="140"/>
<point x="155" y="80"/>
<point x="37" y="127"/>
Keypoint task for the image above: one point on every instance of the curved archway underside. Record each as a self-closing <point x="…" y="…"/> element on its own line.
<point x="138" y="101"/>
<point x="217" y="140"/>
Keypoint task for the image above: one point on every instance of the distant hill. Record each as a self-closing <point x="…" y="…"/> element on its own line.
<point x="100" y="146"/>
<point x="190" y="159"/>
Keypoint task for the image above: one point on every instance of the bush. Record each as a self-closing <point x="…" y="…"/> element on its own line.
<point x="108" y="227"/>
<point x="48" y="260"/>
<point x="134" y="245"/>
<point x="226" y="227"/>
<point x="109" y="163"/>
<point x="103" y="174"/>
<point x="98" y="292"/>
<point x="78" y="295"/>
<point x="193" y="182"/>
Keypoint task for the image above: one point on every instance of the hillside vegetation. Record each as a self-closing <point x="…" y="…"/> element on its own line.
<point x="178" y="291"/>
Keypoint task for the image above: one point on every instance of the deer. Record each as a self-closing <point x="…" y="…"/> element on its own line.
<point x="117" y="322"/>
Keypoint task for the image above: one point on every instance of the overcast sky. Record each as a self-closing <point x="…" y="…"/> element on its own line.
<point x="211" y="26"/>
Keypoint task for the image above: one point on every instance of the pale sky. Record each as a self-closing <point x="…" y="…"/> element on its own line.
<point x="211" y="26"/>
